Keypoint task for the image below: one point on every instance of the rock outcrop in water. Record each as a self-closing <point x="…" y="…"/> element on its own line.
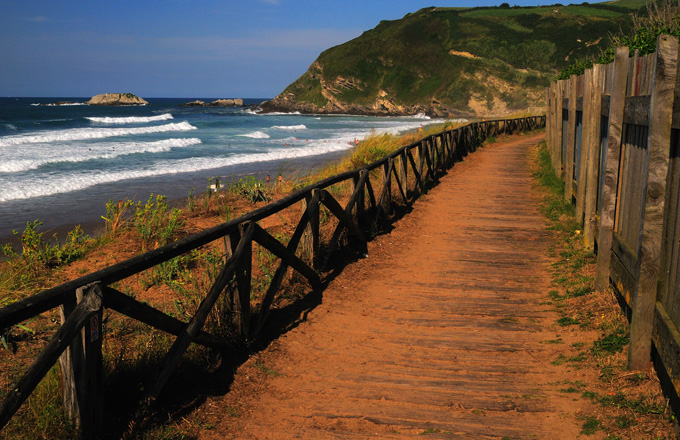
<point x="117" y="99"/>
<point x="217" y="103"/>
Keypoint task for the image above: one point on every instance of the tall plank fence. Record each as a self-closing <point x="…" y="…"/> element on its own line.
<point x="77" y="343"/>
<point x="613" y="137"/>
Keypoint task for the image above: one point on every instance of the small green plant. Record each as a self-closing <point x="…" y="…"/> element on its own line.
<point x="116" y="215"/>
<point x="252" y="188"/>
<point x="566" y="321"/>
<point x="191" y="202"/>
<point x="154" y="223"/>
<point x="612" y="342"/>
<point x="590" y="425"/>
<point x="38" y="254"/>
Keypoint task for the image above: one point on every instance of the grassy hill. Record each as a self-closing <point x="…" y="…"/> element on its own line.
<point x="455" y="61"/>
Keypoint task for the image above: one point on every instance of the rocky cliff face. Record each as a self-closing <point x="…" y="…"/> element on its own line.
<point x="383" y="104"/>
<point x="117" y="99"/>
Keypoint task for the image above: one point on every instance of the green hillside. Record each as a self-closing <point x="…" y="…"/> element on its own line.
<point x="455" y="61"/>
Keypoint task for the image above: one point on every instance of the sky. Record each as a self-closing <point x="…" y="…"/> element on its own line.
<point x="180" y="48"/>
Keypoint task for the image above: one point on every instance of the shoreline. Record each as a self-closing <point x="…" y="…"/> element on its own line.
<point x="90" y="213"/>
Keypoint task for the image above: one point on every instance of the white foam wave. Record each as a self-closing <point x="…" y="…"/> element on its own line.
<point x="255" y="135"/>
<point x="49" y="185"/>
<point x="76" y="134"/>
<point x="130" y="119"/>
<point x="10" y="126"/>
<point x="74" y="154"/>
<point x="277" y="113"/>
<point x="59" y="105"/>
<point x="290" y="127"/>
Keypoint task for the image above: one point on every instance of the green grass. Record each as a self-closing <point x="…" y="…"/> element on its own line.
<point x="590" y="425"/>
<point x="585" y="11"/>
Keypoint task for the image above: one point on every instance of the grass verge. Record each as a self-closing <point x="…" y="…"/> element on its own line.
<point x="626" y="405"/>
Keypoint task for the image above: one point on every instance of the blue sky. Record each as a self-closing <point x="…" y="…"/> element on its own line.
<point x="179" y="48"/>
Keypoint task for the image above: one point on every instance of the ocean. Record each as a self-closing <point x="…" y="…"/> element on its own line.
<point x="61" y="164"/>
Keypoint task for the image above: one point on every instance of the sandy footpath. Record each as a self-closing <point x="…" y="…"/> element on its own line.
<point x="443" y="330"/>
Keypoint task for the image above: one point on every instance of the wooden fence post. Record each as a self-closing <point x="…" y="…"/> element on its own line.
<point x="594" y="100"/>
<point x="660" y="118"/>
<point x="82" y="370"/>
<point x="611" y="177"/>
<point x="309" y="243"/>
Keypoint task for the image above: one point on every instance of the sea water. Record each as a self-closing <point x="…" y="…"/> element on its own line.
<point x="60" y="164"/>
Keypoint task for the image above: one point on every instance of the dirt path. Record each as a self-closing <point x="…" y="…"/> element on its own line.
<point x="442" y="330"/>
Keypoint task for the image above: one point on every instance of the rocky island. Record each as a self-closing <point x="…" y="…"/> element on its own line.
<point x="117" y="99"/>
<point x="217" y="103"/>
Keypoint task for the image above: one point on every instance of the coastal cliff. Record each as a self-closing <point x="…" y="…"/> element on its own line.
<point x="454" y="62"/>
<point x="117" y="99"/>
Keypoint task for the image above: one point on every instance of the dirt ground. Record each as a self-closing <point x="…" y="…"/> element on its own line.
<point x="443" y="330"/>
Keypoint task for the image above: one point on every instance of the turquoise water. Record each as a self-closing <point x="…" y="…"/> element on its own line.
<point x="60" y="164"/>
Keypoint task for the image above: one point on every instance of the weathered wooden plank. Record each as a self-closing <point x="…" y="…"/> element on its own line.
<point x="611" y="178"/>
<point x="637" y="110"/>
<point x="593" y="160"/>
<point x="627" y="256"/>
<point x="666" y="339"/>
<point x="571" y="139"/>
<point x="661" y="113"/>
<point x="669" y="289"/>
<point x="586" y="146"/>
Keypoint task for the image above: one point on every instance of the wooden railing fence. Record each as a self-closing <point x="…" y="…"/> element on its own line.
<point x="613" y="137"/>
<point x="82" y="300"/>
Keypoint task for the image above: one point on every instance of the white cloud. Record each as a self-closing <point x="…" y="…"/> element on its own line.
<point x="39" y="19"/>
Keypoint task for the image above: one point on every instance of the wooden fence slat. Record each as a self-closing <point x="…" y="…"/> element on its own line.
<point x="586" y="146"/>
<point x="571" y="139"/>
<point x="593" y="162"/>
<point x="661" y="113"/>
<point x="612" y="160"/>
